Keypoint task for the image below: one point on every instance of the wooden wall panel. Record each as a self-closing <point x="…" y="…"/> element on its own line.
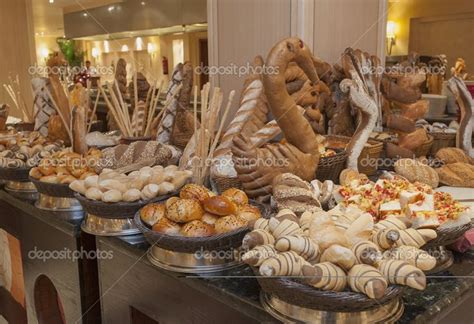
<point x="17" y="53"/>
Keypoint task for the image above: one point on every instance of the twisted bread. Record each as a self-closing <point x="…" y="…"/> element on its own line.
<point x="367" y="280"/>
<point x="325" y="276"/>
<point x="402" y="273"/>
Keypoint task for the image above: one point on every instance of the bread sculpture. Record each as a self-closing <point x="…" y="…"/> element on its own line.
<point x="142" y="88"/>
<point x="198" y="212"/>
<point x="301" y="149"/>
<point x="465" y="103"/>
<point x="43" y="107"/>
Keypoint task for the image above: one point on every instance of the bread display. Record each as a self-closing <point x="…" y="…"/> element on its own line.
<point x="200" y="213"/>
<point x="144" y="184"/>
<point x="416" y="171"/>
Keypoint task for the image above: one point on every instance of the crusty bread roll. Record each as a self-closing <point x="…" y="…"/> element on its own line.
<point x="194" y="191"/>
<point x="229" y="223"/>
<point x="219" y="205"/>
<point x="414" y="170"/>
<point x="152" y="213"/>
<point x="197" y="228"/>
<point x="457" y="174"/>
<point x="348" y="175"/>
<point x="340" y="256"/>
<point x="237" y="196"/>
<point x="184" y="210"/>
<point x="166" y="226"/>
<point x="249" y="213"/>
<point x="452" y="155"/>
<point x="209" y="218"/>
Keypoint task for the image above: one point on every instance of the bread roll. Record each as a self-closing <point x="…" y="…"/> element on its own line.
<point x="152" y="213"/>
<point x="302" y="245"/>
<point x="416" y="238"/>
<point x="94" y="194"/>
<point x="257" y="255"/>
<point x="194" y="191"/>
<point x="257" y="237"/>
<point x="165" y="226"/>
<point x="283" y="264"/>
<point x="325" y="276"/>
<point x="452" y="155"/>
<point x="229" y="223"/>
<point x="237" y="196"/>
<point x="219" y="205"/>
<point x="78" y="186"/>
<point x="249" y="213"/>
<point x="402" y="273"/>
<point x="112" y="196"/>
<point x="170" y="201"/>
<point x="197" y="228"/>
<point x="283" y="228"/>
<point x="414" y="256"/>
<point x="184" y="210"/>
<point x="131" y="195"/>
<point x="150" y="191"/>
<point x="340" y="256"/>
<point x="209" y="218"/>
<point x="50" y="179"/>
<point x="112" y="184"/>
<point x="367" y="252"/>
<point x="414" y="170"/>
<point x="367" y="280"/>
<point x="457" y="174"/>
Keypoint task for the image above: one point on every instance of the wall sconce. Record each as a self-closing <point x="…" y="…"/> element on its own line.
<point x="139" y="43"/>
<point x="151" y="49"/>
<point x="95" y="52"/>
<point x="44" y="53"/>
<point x="124" y="48"/>
<point x="106" y="46"/>
<point x="391" y="35"/>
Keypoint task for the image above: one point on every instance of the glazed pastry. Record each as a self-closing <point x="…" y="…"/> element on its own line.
<point x="325" y="276"/>
<point x="402" y="273"/>
<point x="184" y="210"/>
<point x="416" y="238"/>
<point x="386" y="238"/>
<point x="249" y="213"/>
<point x="366" y="252"/>
<point x="152" y="213"/>
<point x="261" y="223"/>
<point x="283" y="264"/>
<point x="197" y="228"/>
<point x="414" y="256"/>
<point x="112" y="196"/>
<point x="219" y="205"/>
<point x="257" y="255"/>
<point x="194" y="191"/>
<point x="237" y="196"/>
<point x="302" y="245"/>
<point x="391" y="222"/>
<point x="367" y="280"/>
<point x="340" y="256"/>
<point x="150" y="191"/>
<point x="131" y="195"/>
<point x="209" y="218"/>
<point x="257" y="237"/>
<point x="165" y="226"/>
<point x="94" y="194"/>
<point x="229" y="223"/>
<point x="283" y="228"/>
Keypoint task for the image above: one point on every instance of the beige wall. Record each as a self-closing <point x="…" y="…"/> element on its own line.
<point x="17" y="52"/>
<point x="401" y="11"/>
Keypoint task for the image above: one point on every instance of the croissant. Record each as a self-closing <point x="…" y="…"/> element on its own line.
<point x="257" y="237"/>
<point x="402" y="273"/>
<point x="257" y="255"/>
<point x="339" y="255"/>
<point x="283" y="264"/>
<point x="261" y="223"/>
<point x="391" y="222"/>
<point x="386" y="238"/>
<point x="366" y="252"/>
<point x="302" y="245"/>
<point x="414" y="256"/>
<point x="283" y="228"/>
<point x="368" y="280"/>
<point x="305" y="221"/>
<point x="325" y="276"/>
<point x="287" y="214"/>
<point x="416" y="238"/>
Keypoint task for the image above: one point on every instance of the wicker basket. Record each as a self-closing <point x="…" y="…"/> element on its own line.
<point x="218" y="242"/>
<point x="330" y="167"/>
<point x="15" y="174"/>
<point x="372" y="151"/>
<point x="424" y="149"/>
<point x="223" y="183"/>
<point x="53" y="189"/>
<point x="300" y="294"/>
<point x="442" y="140"/>
<point x="448" y="236"/>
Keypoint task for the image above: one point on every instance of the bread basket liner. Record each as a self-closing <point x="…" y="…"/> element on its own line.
<point x="118" y="210"/>
<point x="295" y="292"/>
<point x="218" y="242"/>
<point x="53" y="189"/>
<point x="15" y="174"/>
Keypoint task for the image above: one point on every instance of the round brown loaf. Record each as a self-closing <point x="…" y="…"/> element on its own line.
<point x="184" y="210"/>
<point x="166" y="226"/>
<point x="194" y="191"/>
<point x="237" y="196"/>
<point x="152" y="213"/>
<point x="452" y="155"/>
<point x="414" y="170"/>
<point x="229" y="223"/>
<point x="197" y="228"/>
<point x="249" y="213"/>
<point x="219" y="205"/>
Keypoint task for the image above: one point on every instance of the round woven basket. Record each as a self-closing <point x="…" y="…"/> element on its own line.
<point x="424" y="149"/>
<point x="448" y="236"/>
<point x="300" y="294"/>
<point x="442" y="140"/>
<point x="119" y="210"/>
<point x="15" y="174"/>
<point x="218" y="242"/>
<point x="224" y="183"/>
<point x="330" y="167"/>
<point x="53" y="189"/>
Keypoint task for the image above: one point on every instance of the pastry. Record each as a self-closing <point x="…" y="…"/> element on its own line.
<point x="229" y="223"/>
<point x="361" y="228"/>
<point x="249" y="213"/>
<point x="302" y="245"/>
<point x="340" y="256"/>
<point x="366" y="252"/>
<point x="257" y="255"/>
<point x="237" y="196"/>
<point x="327" y="236"/>
<point x="165" y="226"/>
<point x="194" y="191"/>
<point x="402" y="273"/>
<point x="368" y="280"/>
<point x="197" y="228"/>
<point x="219" y="205"/>
<point x="414" y="256"/>
<point x="152" y="213"/>
<point x="325" y="276"/>
<point x="261" y="223"/>
<point x="257" y="237"/>
<point x="283" y="228"/>
<point x="391" y="222"/>
<point x="184" y="210"/>
<point x="283" y="264"/>
<point x="385" y="238"/>
<point x="414" y="170"/>
<point x="416" y="238"/>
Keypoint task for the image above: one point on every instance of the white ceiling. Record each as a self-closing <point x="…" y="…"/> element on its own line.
<point x="48" y="17"/>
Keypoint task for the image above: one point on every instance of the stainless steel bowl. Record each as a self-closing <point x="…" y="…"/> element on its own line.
<point x="22" y="190"/>
<point x="100" y="226"/>
<point x="46" y="202"/>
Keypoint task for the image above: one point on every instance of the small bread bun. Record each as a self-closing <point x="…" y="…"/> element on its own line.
<point x="152" y="213"/>
<point x="170" y="201"/>
<point x="209" y="218"/>
<point x="219" y="205"/>
<point x="184" y="210"/>
<point x="229" y="223"/>
<point x="94" y="193"/>
<point x="249" y="213"/>
<point x="237" y="196"/>
<point x="194" y="191"/>
<point x="166" y="226"/>
<point x="112" y="196"/>
<point x="197" y="228"/>
<point x="50" y="179"/>
<point x="35" y="173"/>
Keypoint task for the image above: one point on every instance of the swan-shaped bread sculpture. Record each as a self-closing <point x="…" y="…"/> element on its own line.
<point x="465" y="103"/>
<point x="257" y="166"/>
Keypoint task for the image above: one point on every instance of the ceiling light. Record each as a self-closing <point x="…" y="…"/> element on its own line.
<point x="111" y="8"/>
<point x="143" y="3"/>
<point x="85" y="14"/>
<point x="124" y="48"/>
<point x="51" y="1"/>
